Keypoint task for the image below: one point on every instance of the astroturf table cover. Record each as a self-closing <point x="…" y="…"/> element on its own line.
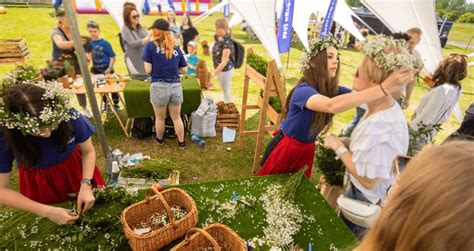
<point x="137" y="97"/>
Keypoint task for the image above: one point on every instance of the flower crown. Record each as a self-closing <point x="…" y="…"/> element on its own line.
<point x="389" y="61"/>
<point x="55" y="111"/>
<point x="316" y="45"/>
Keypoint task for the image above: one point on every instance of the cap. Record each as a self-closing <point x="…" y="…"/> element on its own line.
<point x="193" y="43"/>
<point x="160" y="24"/>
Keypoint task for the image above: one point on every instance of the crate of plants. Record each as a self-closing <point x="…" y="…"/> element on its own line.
<point x="149" y="172"/>
<point x="227" y="116"/>
<point x="13" y="50"/>
<point x="213" y="237"/>
<point x="160" y="219"/>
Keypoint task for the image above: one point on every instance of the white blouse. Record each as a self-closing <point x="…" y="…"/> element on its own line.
<point x="436" y="106"/>
<point x="375" y="143"/>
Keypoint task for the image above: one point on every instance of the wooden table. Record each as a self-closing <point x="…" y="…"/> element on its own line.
<point x="105" y="90"/>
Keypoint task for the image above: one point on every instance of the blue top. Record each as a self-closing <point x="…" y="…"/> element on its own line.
<point x="101" y="53"/>
<point x="163" y="70"/>
<point x="298" y="122"/>
<point x="51" y="153"/>
<point x="192" y="60"/>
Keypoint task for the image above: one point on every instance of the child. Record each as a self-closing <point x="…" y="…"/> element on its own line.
<point x="103" y="58"/>
<point x="192" y="58"/>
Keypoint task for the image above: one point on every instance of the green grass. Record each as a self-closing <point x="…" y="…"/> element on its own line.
<point x="461" y="33"/>
<point x="214" y="161"/>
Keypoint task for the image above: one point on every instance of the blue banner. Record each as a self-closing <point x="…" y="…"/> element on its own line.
<point x="171" y="4"/>
<point x="328" y="20"/>
<point x="146" y="7"/>
<point x="285" y="26"/>
<point x="226" y="11"/>
<point x="57" y="3"/>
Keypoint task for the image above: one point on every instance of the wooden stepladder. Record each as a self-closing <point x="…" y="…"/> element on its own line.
<point x="273" y="85"/>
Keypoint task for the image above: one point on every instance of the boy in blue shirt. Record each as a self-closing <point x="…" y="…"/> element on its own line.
<point x="103" y="58"/>
<point x="192" y="58"/>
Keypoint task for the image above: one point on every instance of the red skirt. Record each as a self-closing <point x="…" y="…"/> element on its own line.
<point x="289" y="155"/>
<point x="51" y="185"/>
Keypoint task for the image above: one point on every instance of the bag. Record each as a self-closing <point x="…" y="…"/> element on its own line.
<point x="203" y="120"/>
<point x="358" y="212"/>
<point x="239" y="54"/>
<point x="122" y="44"/>
<point x="142" y="128"/>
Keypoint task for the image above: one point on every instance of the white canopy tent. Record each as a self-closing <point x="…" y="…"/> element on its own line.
<point x="115" y="9"/>
<point x="236" y="19"/>
<point x="304" y="8"/>
<point x="210" y="11"/>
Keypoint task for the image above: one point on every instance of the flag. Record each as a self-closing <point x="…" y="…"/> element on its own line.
<point x="226" y="10"/>
<point x="285" y="26"/>
<point x="171" y="4"/>
<point x="146" y="7"/>
<point x="57" y="3"/>
<point x="328" y="19"/>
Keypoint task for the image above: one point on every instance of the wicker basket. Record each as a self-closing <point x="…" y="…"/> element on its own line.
<point x="216" y="236"/>
<point x="156" y="202"/>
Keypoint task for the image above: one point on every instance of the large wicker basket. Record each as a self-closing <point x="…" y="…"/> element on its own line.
<point x="216" y="236"/>
<point x="157" y="202"/>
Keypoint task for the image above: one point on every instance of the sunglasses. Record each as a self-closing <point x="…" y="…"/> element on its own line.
<point x="136" y="17"/>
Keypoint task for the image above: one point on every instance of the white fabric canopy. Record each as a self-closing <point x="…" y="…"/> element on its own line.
<point x="304" y="8"/>
<point x="260" y="16"/>
<point x="115" y="9"/>
<point x="209" y="12"/>
<point x="236" y="19"/>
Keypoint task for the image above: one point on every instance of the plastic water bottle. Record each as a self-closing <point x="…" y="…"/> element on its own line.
<point x="201" y="143"/>
<point x="115" y="172"/>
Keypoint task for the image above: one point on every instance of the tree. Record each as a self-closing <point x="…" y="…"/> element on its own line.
<point x="466" y="18"/>
<point x="354" y="3"/>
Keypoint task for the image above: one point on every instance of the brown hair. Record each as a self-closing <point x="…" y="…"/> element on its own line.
<point x="432" y="206"/>
<point x="369" y="68"/>
<point x="451" y="70"/>
<point x="222" y="24"/>
<point x="164" y="40"/>
<point x="190" y="23"/>
<point x="129" y="4"/>
<point x="28" y="98"/>
<point x="317" y="77"/>
<point x="415" y="30"/>
<point x="126" y="17"/>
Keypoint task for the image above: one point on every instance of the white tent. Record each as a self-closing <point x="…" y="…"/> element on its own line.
<point x="115" y="9"/>
<point x="304" y="8"/>
<point x="236" y="19"/>
<point x="209" y="12"/>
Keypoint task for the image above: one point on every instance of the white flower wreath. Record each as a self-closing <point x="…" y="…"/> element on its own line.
<point x="317" y="45"/>
<point x="376" y="48"/>
<point x="55" y="111"/>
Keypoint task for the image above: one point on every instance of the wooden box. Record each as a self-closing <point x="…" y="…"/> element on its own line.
<point x="228" y="120"/>
<point x="13" y="50"/>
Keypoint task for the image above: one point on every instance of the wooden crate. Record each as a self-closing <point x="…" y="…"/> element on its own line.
<point x="228" y="120"/>
<point x="13" y="50"/>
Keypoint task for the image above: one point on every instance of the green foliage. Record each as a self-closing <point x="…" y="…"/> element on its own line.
<point x="325" y="160"/>
<point x="22" y="72"/>
<point x="155" y="169"/>
<point x="466" y="18"/>
<point x="421" y="137"/>
<point x="354" y="3"/>
<point x="274" y="102"/>
<point x="453" y="15"/>
<point x="258" y="63"/>
<point x="288" y="190"/>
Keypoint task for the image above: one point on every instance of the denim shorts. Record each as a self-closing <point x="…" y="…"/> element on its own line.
<point x="162" y="94"/>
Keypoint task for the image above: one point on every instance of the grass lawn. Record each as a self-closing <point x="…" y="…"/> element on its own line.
<point x="214" y="161"/>
<point x="461" y="32"/>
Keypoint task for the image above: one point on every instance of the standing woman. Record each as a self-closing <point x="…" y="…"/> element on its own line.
<point x="174" y="26"/>
<point x="222" y="57"/>
<point x="311" y="104"/>
<point x="52" y="147"/>
<point x="164" y="61"/>
<point x="188" y="32"/>
<point x="436" y="106"/>
<point x="134" y="37"/>
<point x="61" y="39"/>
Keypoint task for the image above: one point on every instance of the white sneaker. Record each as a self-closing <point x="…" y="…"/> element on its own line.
<point x="87" y="113"/>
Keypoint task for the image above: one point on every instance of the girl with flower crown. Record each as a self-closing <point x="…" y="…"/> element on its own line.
<point x="311" y="105"/>
<point x="382" y="134"/>
<point x="53" y="150"/>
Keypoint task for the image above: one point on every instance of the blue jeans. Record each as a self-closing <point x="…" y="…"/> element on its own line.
<point x="356" y="194"/>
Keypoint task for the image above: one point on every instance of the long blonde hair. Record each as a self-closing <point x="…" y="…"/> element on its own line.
<point x="165" y="40"/>
<point x="433" y="207"/>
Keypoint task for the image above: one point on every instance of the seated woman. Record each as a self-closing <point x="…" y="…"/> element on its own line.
<point x="382" y="134"/>
<point x="52" y="147"/>
<point x="436" y="106"/>
<point x="430" y="205"/>
<point x="311" y="104"/>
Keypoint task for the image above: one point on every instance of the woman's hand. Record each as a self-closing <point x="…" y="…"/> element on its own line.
<point x="398" y="78"/>
<point x="61" y="216"/>
<point x="85" y="199"/>
<point x="332" y="142"/>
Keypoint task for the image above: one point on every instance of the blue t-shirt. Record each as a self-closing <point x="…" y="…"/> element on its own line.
<point x="192" y="60"/>
<point x="163" y="70"/>
<point x="51" y="153"/>
<point x="101" y="53"/>
<point x="298" y="122"/>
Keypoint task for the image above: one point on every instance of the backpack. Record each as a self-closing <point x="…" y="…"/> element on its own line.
<point x="142" y="128"/>
<point x="239" y="54"/>
<point x="121" y="41"/>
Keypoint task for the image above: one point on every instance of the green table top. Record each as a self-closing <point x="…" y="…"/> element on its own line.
<point x="137" y="97"/>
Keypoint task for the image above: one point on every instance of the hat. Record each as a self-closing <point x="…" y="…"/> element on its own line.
<point x="160" y="24"/>
<point x="193" y="43"/>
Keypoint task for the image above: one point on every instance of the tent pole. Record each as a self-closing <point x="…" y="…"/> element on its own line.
<point x="81" y="55"/>
<point x="366" y="25"/>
